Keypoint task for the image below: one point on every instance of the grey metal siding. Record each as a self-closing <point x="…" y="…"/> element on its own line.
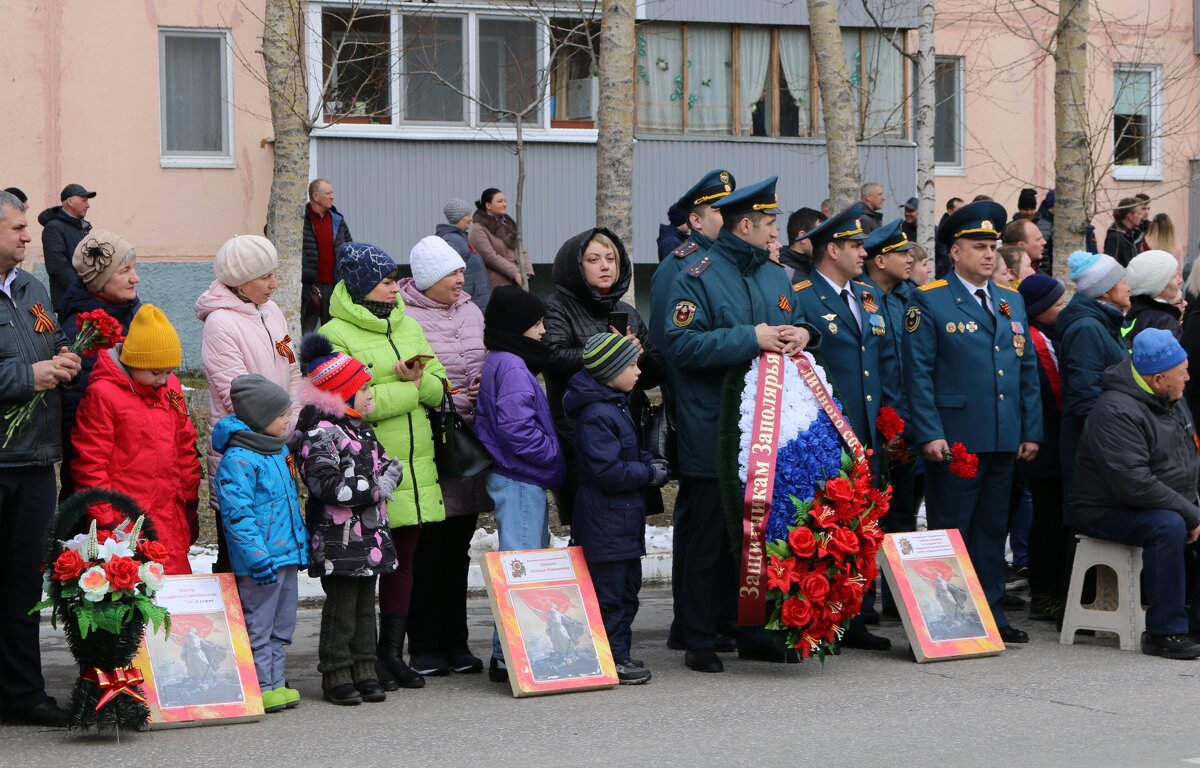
<point x="903" y="14"/>
<point x="392" y="192"/>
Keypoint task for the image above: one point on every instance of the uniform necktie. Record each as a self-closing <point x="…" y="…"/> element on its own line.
<point x="850" y="305"/>
<point x="983" y="300"/>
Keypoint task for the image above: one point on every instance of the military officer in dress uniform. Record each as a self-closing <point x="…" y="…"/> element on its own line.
<point x="705" y="222"/>
<point x="887" y="269"/>
<point x="731" y="304"/>
<point x="856" y="350"/>
<point x="971" y="377"/>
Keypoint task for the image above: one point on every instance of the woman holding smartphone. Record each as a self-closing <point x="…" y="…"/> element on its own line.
<point x="437" y="619"/>
<point x="369" y="323"/>
<point x="591" y="274"/>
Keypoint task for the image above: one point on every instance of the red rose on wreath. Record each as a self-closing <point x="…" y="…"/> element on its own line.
<point x="153" y="550"/>
<point x="796" y="612"/>
<point x="122" y="572"/>
<point x="840" y="490"/>
<point x="781" y="574"/>
<point x="69" y="565"/>
<point x="844" y="540"/>
<point x="802" y="541"/>
<point x="814" y="587"/>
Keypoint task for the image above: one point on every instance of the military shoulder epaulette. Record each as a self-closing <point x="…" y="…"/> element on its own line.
<point x="1007" y="288"/>
<point x="860" y="282"/>
<point x="687" y="249"/>
<point x="800" y="286"/>
<point x="934" y="284"/>
<point x="698" y="268"/>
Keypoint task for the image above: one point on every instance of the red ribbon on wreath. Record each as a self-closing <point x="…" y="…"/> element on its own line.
<point x="115" y="682"/>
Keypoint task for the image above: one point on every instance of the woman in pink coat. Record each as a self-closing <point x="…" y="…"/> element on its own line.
<point x="437" y="619"/>
<point x="244" y="332"/>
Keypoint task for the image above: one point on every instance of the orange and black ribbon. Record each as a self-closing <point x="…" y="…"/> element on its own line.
<point x="42" y="323"/>
<point x="115" y="682"/>
<point x="176" y="401"/>
<point x="284" y="348"/>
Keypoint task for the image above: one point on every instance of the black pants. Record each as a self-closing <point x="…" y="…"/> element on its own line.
<point x="1049" y="539"/>
<point x="708" y="589"/>
<point x="26" y="506"/>
<point x="437" y="616"/>
<point x="346" y="650"/>
<point x="311" y="315"/>
<point x="617" y="585"/>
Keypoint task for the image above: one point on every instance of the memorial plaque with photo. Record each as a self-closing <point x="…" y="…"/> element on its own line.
<point x="941" y="602"/>
<point x="549" y="621"/>
<point x="203" y="672"/>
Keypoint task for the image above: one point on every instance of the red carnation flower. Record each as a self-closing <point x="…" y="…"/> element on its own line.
<point x="889" y="423"/>
<point x="962" y="463"/>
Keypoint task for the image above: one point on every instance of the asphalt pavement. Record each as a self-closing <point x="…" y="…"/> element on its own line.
<point x="1041" y="704"/>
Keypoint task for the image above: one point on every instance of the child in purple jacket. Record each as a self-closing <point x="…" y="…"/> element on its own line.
<point x="512" y="418"/>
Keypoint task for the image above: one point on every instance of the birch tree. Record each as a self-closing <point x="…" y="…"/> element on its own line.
<point x="1073" y="169"/>
<point x="923" y="130"/>
<point x="839" y="113"/>
<point x="614" y="144"/>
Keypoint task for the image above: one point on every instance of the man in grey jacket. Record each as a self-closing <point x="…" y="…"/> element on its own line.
<point x="33" y="358"/>
<point x="1136" y="478"/>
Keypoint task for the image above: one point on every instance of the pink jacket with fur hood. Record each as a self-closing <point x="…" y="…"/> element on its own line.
<point x="238" y="338"/>
<point x="456" y="335"/>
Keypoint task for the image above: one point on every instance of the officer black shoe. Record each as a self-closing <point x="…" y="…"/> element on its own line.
<point x="48" y="714"/>
<point x="865" y="641"/>
<point x="1012" y="635"/>
<point x="1170" y="646"/>
<point x="703" y="660"/>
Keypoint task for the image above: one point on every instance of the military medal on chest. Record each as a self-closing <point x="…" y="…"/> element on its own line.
<point x="877" y="326"/>
<point x="830" y="318"/>
<point x="1018" y="338"/>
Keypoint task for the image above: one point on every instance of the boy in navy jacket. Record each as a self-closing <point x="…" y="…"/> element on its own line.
<point x="609" y="519"/>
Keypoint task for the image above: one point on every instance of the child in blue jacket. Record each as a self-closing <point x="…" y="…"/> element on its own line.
<point x="260" y="512"/>
<point x="609" y="519"/>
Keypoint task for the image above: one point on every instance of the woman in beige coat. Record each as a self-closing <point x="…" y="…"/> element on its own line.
<point x="493" y="235"/>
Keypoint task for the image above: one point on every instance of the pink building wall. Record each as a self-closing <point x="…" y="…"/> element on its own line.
<point x="1009" y="112"/>
<point x="83" y="106"/>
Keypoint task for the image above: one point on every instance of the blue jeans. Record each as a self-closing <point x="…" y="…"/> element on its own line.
<point x="522" y="522"/>
<point x="1162" y="534"/>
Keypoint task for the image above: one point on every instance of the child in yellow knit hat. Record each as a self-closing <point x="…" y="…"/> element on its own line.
<point x="133" y="435"/>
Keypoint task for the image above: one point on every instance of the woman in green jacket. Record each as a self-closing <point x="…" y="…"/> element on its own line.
<point x="368" y="322"/>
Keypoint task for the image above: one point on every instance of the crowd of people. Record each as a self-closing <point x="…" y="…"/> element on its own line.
<point x="986" y="351"/>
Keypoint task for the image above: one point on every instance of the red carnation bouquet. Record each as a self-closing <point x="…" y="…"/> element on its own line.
<point x="817" y="577"/>
<point x="962" y="463"/>
<point x="98" y="330"/>
<point x="889" y="424"/>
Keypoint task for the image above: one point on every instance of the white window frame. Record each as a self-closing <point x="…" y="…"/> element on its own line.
<point x="959" y="168"/>
<point x="206" y="159"/>
<point x="1152" y="172"/>
<point x="469" y="130"/>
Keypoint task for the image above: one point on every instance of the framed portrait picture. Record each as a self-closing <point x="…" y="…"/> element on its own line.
<point x="202" y="672"/>
<point x="938" y="595"/>
<point x="549" y="621"/>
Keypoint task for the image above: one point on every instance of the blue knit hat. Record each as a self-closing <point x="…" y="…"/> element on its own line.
<point x="361" y="266"/>
<point x="1155" y="350"/>
<point x="1094" y="274"/>
<point x="1040" y="292"/>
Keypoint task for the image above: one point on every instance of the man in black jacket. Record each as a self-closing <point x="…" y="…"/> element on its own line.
<point x="796" y="258"/>
<point x="27" y="492"/>
<point x="1135" y="483"/>
<point x="63" y="226"/>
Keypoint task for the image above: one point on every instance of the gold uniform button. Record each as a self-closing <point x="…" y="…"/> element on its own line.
<point x="1001" y="397"/>
<point x="997" y="349"/>
<point x="868" y="398"/>
<point x="866" y="373"/>
<point x="864" y="349"/>
<point x="1000" y="372"/>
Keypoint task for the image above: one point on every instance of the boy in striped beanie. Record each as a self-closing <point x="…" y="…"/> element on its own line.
<point x="609" y="519"/>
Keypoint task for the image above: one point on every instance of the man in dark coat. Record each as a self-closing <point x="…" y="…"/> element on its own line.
<point x="325" y="230"/>
<point x="63" y="226"/>
<point x="872" y="210"/>
<point x="672" y="234"/>
<point x="796" y="256"/>
<point x="27" y="483"/>
<point x="1137" y="472"/>
<point x="1124" y="238"/>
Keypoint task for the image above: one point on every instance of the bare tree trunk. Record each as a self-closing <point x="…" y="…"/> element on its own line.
<point x="1072" y="167"/>
<point x="282" y="48"/>
<point x="926" y="191"/>
<point x="524" y="263"/>
<point x="614" y="117"/>
<point x="837" y="102"/>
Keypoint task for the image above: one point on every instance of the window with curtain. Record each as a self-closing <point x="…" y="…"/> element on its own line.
<point x="508" y="69"/>
<point x="1134" y="129"/>
<point x="660" y="78"/>
<point x="709" y="79"/>
<point x="195" y="94"/>
<point x="881" y="72"/>
<point x="948" y="111"/>
<point x="795" y="83"/>
<point x="574" y="88"/>
<point x="755" y="100"/>
<point x="432" y="68"/>
<point x="356" y="56"/>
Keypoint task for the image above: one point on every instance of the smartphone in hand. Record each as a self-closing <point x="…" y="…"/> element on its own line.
<point x="620" y="321"/>
<point x="417" y="359"/>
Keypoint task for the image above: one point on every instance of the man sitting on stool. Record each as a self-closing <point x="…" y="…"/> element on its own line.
<point x="1136" y="477"/>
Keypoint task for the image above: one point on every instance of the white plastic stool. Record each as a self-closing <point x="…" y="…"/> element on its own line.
<point x="1118" y="603"/>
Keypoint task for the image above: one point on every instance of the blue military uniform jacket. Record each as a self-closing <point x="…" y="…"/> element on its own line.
<point x="862" y="365"/>
<point x="710" y="317"/>
<point x="969" y="379"/>
<point x="664" y="278"/>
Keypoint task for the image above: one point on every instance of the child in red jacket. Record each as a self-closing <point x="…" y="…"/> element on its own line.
<point x="133" y="435"/>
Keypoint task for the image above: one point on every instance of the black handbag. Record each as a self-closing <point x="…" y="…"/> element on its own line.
<point x="658" y="433"/>
<point x="457" y="451"/>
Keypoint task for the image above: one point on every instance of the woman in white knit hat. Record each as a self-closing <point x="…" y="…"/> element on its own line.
<point x="244" y="332"/>
<point x="453" y="324"/>
<point x="1156" y="290"/>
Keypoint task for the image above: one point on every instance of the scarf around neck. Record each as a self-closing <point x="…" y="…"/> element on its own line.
<point x="533" y="353"/>
<point x="257" y="442"/>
